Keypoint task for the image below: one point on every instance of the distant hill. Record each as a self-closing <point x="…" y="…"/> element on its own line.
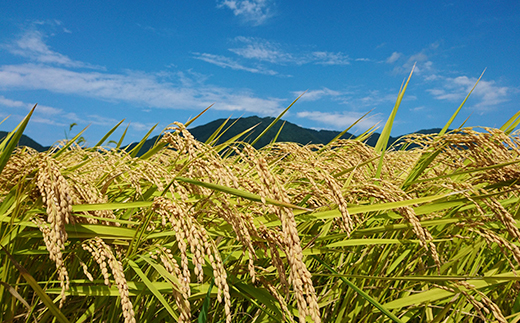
<point x="290" y="133"/>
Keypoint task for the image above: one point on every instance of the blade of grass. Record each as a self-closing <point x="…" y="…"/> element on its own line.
<point x="344" y="132"/>
<point x="12" y="140"/>
<point x="506" y="125"/>
<point x="138" y="147"/>
<point x="448" y="124"/>
<point x="105" y="137"/>
<point x="324" y="215"/>
<point x="436" y="294"/>
<point x="5" y="119"/>
<point x="240" y="193"/>
<point x="216" y="132"/>
<point x="226" y="144"/>
<point x="197" y="116"/>
<point x="203" y="315"/>
<point x="120" y="142"/>
<point x="278" y="133"/>
<point x="276" y="120"/>
<point x="37" y="289"/>
<point x="361" y="292"/>
<point x="155" y="149"/>
<point x="69" y="143"/>
<point x="382" y="142"/>
<point x="153" y="289"/>
<point x="512" y="127"/>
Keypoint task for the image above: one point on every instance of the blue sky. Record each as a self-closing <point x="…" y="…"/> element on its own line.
<point x="98" y="62"/>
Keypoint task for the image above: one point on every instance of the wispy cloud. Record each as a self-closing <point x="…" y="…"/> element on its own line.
<point x="314" y="95"/>
<point x="375" y="98"/>
<point x="226" y="62"/>
<point x="255" y="12"/>
<point x="355" y="99"/>
<point x="57" y="117"/>
<point x="340" y="120"/>
<point x="262" y="50"/>
<point x="266" y="51"/>
<point x="58" y="73"/>
<point x="136" y="88"/>
<point x="417" y="109"/>
<point x="31" y="45"/>
<point x="422" y="60"/>
<point x="329" y="58"/>
<point x="43" y="114"/>
<point x="272" y="52"/>
<point x="42" y="109"/>
<point x="487" y="93"/>
<point x="393" y="58"/>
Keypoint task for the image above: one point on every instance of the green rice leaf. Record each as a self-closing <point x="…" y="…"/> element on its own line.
<point x="37" y="289"/>
<point x="276" y="120"/>
<point x="344" y="132"/>
<point x="216" y="132"/>
<point x="9" y="143"/>
<point x="189" y="122"/>
<point x="203" y="315"/>
<point x="105" y="137"/>
<point x="382" y="142"/>
<point x="69" y="143"/>
<point x="120" y="142"/>
<point x="138" y="147"/>
<point x="151" y="287"/>
<point x="448" y="124"/>
<point x="240" y="193"/>
<point x="382" y="308"/>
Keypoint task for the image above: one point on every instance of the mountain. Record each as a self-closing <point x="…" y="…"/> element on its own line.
<point x="290" y="133"/>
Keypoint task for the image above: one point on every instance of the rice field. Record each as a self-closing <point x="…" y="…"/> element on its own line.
<point x="205" y="232"/>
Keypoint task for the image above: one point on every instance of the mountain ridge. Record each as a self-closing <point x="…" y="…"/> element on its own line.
<point x="290" y="133"/>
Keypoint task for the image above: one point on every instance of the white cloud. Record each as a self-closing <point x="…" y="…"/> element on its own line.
<point x="226" y="62"/>
<point x="32" y="46"/>
<point x="137" y="88"/>
<point x="432" y="77"/>
<point x="328" y="58"/>
<point x="340" y="120"/>
<point x="314" y="95"/>
<point x="271" y="52"/>
<point x="423" y="66"/>
<point x="423" y="63"/>
<point x="42" y="113"/>
<point x="394" y="57"/>
<point x="11" y="103"/>
<point x="488" y="94"/>
<point x="419" y="108"/>
<point x="255" y="12"/>
<point x="375" y="98"/>
<point x="57" y="73"/>
<point x="261" y="50"/>
<point x="27" y="106"/>
<point x="268" y="51"/>
<point x="110" y="122"/>
<point x="57" y="117"/>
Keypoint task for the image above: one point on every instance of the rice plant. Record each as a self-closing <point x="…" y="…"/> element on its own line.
<point x="206" y="232"/>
